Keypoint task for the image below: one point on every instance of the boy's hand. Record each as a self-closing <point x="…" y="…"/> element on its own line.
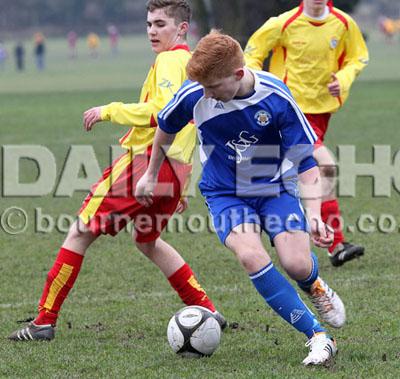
<point x="321" y="233"/>
<point x="334" y="86"/>
<point x="182" y="205"/>
<point x="90" y="117"/>
<point x="145" y="190"/>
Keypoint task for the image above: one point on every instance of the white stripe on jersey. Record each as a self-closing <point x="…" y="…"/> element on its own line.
<point x="179" y="96"/>
<point x="202" y="152"/>
<point x="207" y="109"/>
<point x="286" y="165"/>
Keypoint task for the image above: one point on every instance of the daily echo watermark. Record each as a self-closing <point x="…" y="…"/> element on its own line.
<point x="16" y="221"/>
<point x="63" y="179"/>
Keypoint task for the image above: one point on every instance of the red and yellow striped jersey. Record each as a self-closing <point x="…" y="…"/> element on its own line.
<point x="163" y="80"/>
<point x="307" y="51"/>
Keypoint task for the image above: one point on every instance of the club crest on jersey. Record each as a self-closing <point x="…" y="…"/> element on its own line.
<point x="263" y="118"/>
<point x="334" y="43"/>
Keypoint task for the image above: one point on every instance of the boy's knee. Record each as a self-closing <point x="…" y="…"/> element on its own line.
<point x="147" y="248"/>
<point x="251" y="260"/>
<point x="297" y="268"/>
<point x="78" y="231"/>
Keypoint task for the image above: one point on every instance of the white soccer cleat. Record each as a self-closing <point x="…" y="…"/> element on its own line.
<point x="328" y="304"/>
<point x="322" y="349"/>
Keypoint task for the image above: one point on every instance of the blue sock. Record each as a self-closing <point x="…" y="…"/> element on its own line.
<point x="306" y="284"/>
<point x="284" y="300"/>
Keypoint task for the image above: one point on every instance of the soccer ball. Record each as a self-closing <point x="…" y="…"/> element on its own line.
<point x="194" y="332"/>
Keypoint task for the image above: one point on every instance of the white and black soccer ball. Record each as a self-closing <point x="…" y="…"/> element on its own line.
<point x="194" y="332"/>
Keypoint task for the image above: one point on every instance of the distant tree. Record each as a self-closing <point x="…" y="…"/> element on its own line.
<point x="237" y="17"/>
<point x="240" y="18"/>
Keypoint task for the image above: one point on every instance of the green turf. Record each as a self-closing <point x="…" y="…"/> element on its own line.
<point x="114" y="322"/>
<point x="83" y="73"/>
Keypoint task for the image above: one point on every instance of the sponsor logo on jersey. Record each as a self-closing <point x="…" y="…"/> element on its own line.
<point x="241" y="144"/>
<point x="299" y="43"/>
<point x="263" y="118"/>
<point x="334" y="42"/>
<point x="166" y="84"/>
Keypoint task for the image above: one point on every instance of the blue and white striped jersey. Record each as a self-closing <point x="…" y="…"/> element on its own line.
<point x="252" y="146"/>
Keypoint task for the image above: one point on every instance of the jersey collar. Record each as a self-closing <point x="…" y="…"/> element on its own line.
<point x="180" y="47"/>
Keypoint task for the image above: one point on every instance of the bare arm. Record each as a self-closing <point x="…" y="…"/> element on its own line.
<point x="310" y="189"/>
<point x="146" y="184"/>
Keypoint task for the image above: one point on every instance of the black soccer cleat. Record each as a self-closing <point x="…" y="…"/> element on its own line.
<point x="221" y="320"/>
<point x="345" y="252"/>
<point x="32" y="332"/>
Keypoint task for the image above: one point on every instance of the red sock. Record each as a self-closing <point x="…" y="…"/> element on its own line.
<point x="330" y="214"/>
<point x="59" y="282"/>
<point x="188" y="288"/>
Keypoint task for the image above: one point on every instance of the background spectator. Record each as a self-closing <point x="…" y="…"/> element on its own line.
<point x="3" y="55"/>
<point x="19" y="53"/>
<point x="113" y="35"/>
<point x="72" y="39"/>
<point x="93" y="42"/>
<point x="39" y="50"/>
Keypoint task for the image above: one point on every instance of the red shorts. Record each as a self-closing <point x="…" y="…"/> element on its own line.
<point x="111" y="203"/>
<point x="319" y="123"/>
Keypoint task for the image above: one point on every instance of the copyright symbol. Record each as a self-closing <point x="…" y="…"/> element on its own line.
<point x="14" y="220"/>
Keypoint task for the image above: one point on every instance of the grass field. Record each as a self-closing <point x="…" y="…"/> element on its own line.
<point x="114" y="322"/>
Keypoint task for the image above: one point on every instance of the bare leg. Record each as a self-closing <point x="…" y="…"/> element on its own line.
<point x="178" y="273"/>
<point x="275" y="289"/>
<point x="293" y="249"/>
<point x="162" y="255"/>
<point x="245" y="242"/>
<point x="79" y="238"/>
<point x="328" y="171"/>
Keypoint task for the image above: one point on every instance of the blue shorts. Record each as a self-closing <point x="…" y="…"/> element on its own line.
<point x="274" y="214"/>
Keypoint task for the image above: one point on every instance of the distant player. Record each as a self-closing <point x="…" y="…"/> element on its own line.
<point x="111" y="203"/>
<point x="318" y="51"/>
<point x="3" y="55"/>
<point x="72" y="38"/>
<point x="113" y="35"/>
<point x="255" y="143"/>
<point x="39" y="50"/>
<point x="93" y="42"/>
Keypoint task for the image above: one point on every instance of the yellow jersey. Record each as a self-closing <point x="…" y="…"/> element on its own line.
<point x="164" y="79"/>
<point x="306" y="51"/>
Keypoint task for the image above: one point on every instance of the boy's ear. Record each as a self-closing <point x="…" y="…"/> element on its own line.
<point x="183" y="28"/>
<point x="239" y="73"/>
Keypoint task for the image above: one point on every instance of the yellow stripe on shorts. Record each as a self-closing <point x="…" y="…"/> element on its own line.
<point x="104" y="187"/>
